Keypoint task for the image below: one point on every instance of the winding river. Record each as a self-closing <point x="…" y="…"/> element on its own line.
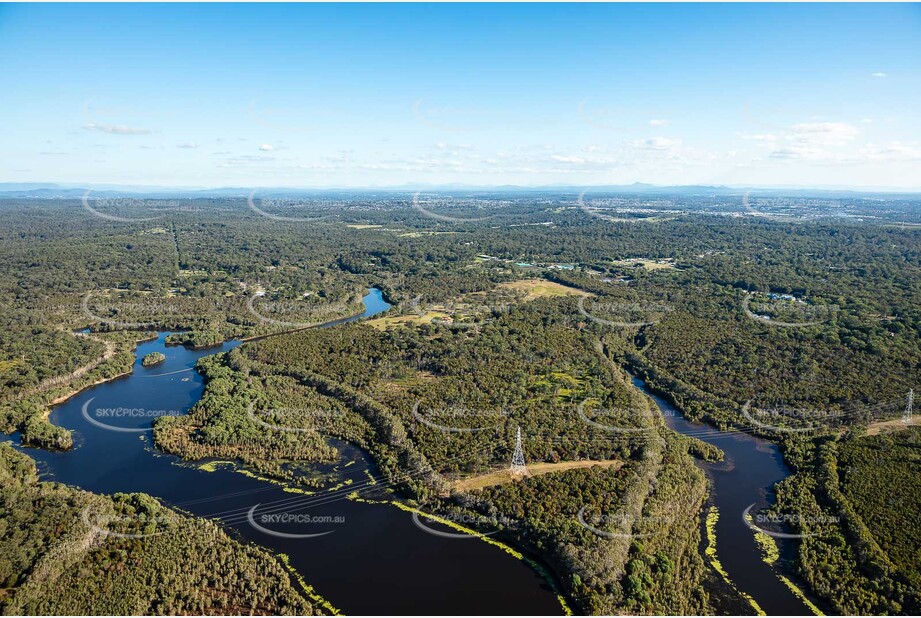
<point x="370" y="558"/>
<point x="750" y="470"/>
<point x="363" y="558"/>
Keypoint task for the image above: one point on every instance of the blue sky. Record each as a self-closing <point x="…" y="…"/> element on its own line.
<point x="377" y="95"/>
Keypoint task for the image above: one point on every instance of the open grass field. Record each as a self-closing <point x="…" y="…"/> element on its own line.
<point x="646" y="264"/>
<point x="874" y="429"/>
<point x="504" y="475"/>
<point x="401" y="320"/>
<point x="540" y="288"/>
<point x="523" y="291"/>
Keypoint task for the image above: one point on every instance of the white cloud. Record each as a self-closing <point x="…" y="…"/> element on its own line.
<point x="893" y="151"/>
<point x="835" y="143"/>
<point x="115" y="129"/>
<point x="814" y="141"/>
<point x="793" y="152"/>
<point x="759" y="137"/>
<point x="246" y="160"/>
<point x="879" y="74"/>
<point x="187" y="145"/>
<point x="824" y="133"/>
<point x="656" y="143"/>
<point x="568" y="159"/>
<point x="658" y="122"/>
<point x="453" y="147"/>
<point x="342" y="156"/>
<point x="266" y="148"/>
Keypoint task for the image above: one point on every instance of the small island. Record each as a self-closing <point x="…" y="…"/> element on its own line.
<point x="154" y="358"/>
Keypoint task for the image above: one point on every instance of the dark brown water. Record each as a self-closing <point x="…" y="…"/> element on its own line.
<point x="366" y="559"/>
<point x="369" y="558"/>
<point x="747" y="475"/>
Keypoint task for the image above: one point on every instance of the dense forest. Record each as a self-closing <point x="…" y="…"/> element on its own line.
<point x="519" y="312"/>
<point x="361" y="384"/>
<point x="64" y="551"/>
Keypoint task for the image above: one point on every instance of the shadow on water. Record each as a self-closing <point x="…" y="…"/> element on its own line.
<point x="364" y="558"/>
<point x="751" y="468"/>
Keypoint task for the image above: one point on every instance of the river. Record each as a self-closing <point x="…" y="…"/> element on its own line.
<point x="746" y="476"/>
<point x="364" y="559"/>
<point x="370" y="558"/>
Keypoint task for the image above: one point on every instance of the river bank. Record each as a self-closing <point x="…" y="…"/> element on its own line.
<point x="743" y="481"/>
<point x="76" y="391"/>
<point x="363" y="558"/>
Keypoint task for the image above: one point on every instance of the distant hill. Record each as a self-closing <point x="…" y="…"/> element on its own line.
<point x="36" y="190"/>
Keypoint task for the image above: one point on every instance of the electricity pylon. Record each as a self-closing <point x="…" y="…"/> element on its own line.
<point x="518" y="465"/>
<point x="906" y="417"/>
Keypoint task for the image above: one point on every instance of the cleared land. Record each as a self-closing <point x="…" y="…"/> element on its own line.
<point x="523" y="291"/>
<point x="500" y="477"/>
<point x="898" y="424"/>
<point x="399" y="320"/>
<point x="645" y="263"/>
<point x="540" y="288"/>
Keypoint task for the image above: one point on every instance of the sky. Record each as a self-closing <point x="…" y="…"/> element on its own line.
<point x="418" y="94"/>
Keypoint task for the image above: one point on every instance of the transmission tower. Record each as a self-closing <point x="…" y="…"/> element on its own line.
<point x="906" y="417"/>
<point x="518" y="466"/>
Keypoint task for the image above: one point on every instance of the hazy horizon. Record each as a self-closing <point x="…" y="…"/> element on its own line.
<point x="409" y="187"/>
<point x="371" y="96"/>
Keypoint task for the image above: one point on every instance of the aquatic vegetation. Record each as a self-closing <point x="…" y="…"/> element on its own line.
<point x="711" y="520"/>
<point x="766" y="543"/>
<point x="339" y="486"/>
<point x="856" y="500"/>
<point x="529" y="360"/>
<point x="172" y="563"/>
<point x="770" y="553"/>
<point x="509" y="550"/>
<point x="800" y="594"/>
<point x="309" y="590"/>
<point x="213" y="466"/>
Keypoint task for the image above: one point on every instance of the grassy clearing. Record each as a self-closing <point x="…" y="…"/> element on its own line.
<point x="406" y="383"/>
<point x="400" y="320"/>
<point x="421" y="234"/>
<point x="500" y="477"/>
<point x="470" y="305"/>
<point x="645" y="263"/>
<point x="540" y="288"/>
<point x="874" y="429"/>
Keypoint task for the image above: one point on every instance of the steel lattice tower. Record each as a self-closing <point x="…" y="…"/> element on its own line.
<point x="906" y="417"/>
<point x="518" y="465"/>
